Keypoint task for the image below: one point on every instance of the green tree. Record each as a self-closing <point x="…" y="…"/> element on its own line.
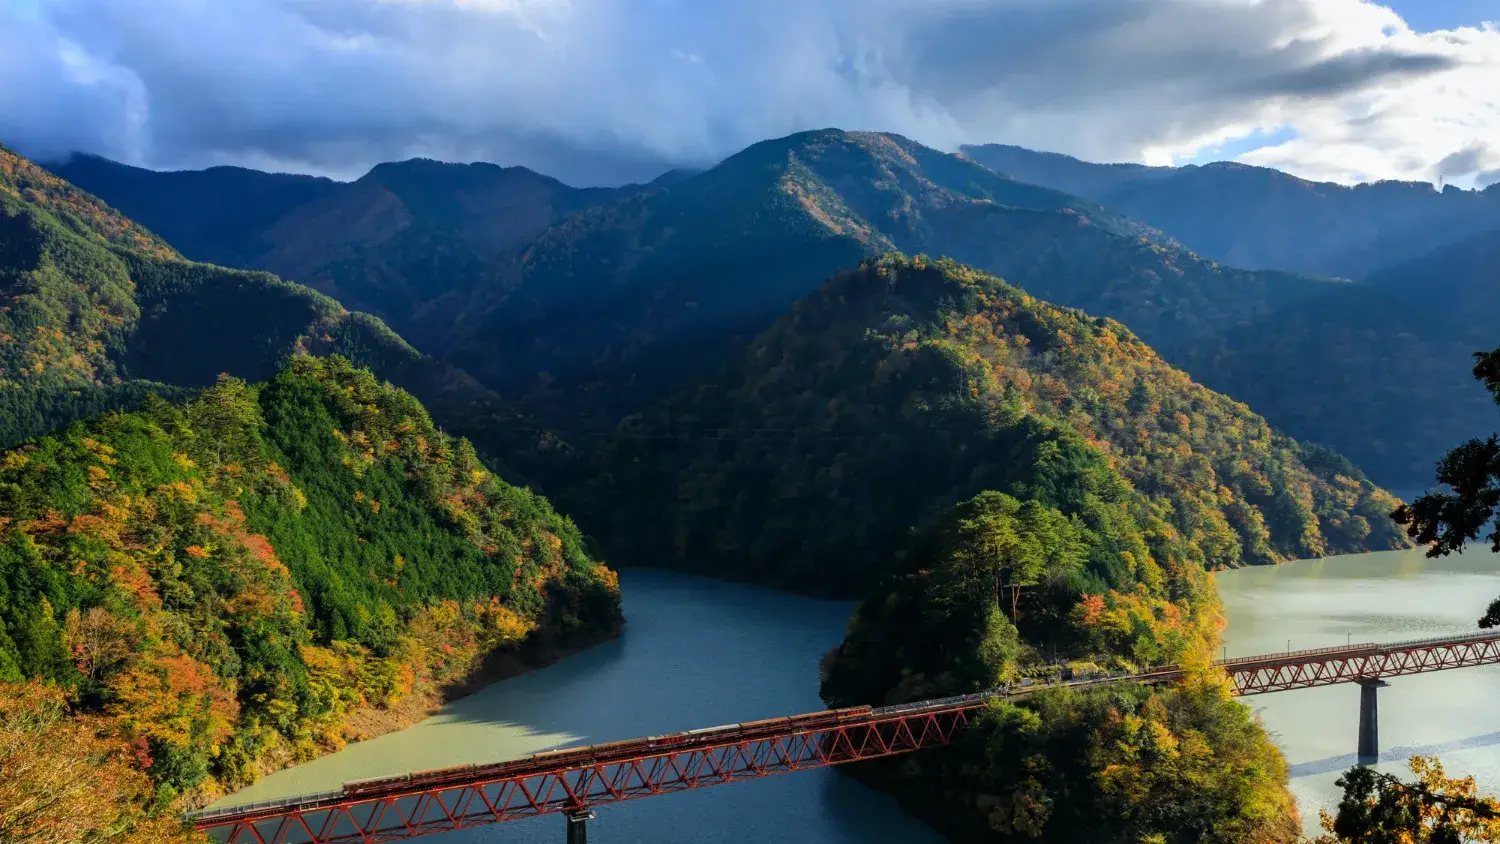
<point x="1447" y="521"/>
<point x="1433" y="809"/>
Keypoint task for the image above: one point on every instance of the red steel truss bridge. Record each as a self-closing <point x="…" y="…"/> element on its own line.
<point x="573" y="780"/>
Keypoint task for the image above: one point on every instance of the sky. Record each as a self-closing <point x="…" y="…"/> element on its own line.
<point x="610" y="91"/>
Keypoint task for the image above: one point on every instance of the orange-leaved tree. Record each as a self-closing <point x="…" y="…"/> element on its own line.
<point x="1380" y="808"/>
<point x="63" y="778"/>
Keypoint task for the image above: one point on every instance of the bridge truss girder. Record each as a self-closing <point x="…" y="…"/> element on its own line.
<point x="1306" y="673"/>
<point x="445" y="808"/>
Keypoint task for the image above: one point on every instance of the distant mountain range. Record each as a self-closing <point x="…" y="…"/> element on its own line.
<point x="582" y="306"/>
<point x="647" y="282"/>
<point x="1263" y="218"/>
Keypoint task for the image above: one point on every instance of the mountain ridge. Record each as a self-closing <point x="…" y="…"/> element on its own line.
<point x="1293" y="224"/>
<point x="909" y="362"/>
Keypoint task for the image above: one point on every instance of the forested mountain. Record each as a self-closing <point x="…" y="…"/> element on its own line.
<point x="1382" y="369"/>
<point x="607" y="303"/>
<point x="242" y="581"/>
<point x="96" y="312"/>
<point x="632" y="297"/>
<point x="1112" y="764"/>
<point x="215" y="215"/>
<point x="582" y="307"/>
<point x="1378" y="369"/>
<point x="391" y="243"/>
<point x="1262" y="218"/>
<point x="903" y="387"/>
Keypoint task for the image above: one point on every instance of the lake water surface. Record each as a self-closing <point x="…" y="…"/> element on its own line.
<point x="698" y="652"/>
<point x="1371" y="598"/>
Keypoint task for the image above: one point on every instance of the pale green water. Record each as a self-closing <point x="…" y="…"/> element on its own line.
<point x="695" y="653"/>
<point x="1371" y="598"/>
<point x="698" y="653"/>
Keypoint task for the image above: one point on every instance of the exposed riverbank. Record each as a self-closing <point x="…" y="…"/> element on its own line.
<point x="539" y="650"/>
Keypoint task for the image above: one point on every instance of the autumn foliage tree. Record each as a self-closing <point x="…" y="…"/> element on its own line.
<point x="223" y="585"/>
<point x="1379" y="808"/>
<point x="1113" y="764"/>
<point x="65" y="778"/>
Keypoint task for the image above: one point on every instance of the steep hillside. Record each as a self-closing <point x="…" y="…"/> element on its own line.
<point x="633" y="298"/>
<point x="1381" y="370"/>
<point x="214" y="215"/>
<point x="1263" y="218"/>
<point x="392" y="243"/>
<point x="256" y="576"/>
<point x="899" y="389"/>
<point x="1118" y="764"/>
<point x="96" y="312"/>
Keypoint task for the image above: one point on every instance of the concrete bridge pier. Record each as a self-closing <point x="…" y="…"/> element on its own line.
<point x="1369" y="720"/>
<point x="578" y="829"/>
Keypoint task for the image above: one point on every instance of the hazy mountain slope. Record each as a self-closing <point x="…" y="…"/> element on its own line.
<point x="392" y="243"/>
<point x="1381" y="370"/>
<point x="96" y="312"/>
<point x="899" y="389"/>
<point x="1263" y="218"/>
<point x="631" y="299"/>
<point x="214" y="215"/>
<point x="1063" y="172"/>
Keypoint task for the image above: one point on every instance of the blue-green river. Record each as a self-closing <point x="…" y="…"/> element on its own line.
<point x="699" y="652"/>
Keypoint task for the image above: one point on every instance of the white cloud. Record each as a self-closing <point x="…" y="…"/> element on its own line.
<point x="595" y="90"/>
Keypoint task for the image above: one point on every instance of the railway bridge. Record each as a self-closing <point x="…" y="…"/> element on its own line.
<point x="572" y="781"/>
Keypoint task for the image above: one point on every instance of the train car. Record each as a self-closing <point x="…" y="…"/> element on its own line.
<point x="853" y="713"/>
<point x="764" y="723"/>
<point x="374" y="785"/>
<point x="496" y="770"/>
<point x="814" y="720"/>
<point x="438" y="776"/>
<point x="614" y="749"/>
<point x="708" y="733"/>
<point x="563" y="756"/>
<point x="669" y="740"/>
<point x="765" y="726"/>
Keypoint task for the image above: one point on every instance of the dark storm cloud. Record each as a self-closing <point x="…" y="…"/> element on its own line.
<point x="602" y="91"/>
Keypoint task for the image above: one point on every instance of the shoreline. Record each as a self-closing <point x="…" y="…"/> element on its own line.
<point x="546" y="647"/>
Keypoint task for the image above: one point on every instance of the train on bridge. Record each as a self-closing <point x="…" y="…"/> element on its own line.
<point x="608" y="752"/>
<point x="572" y="780"/>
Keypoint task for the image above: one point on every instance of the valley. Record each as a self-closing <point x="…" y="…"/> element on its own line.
<point x="291" y="462"/>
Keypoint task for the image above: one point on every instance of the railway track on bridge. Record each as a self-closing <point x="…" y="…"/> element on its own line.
<point x="573" y="780"/>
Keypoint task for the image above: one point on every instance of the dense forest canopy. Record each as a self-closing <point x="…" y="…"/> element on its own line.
<point x="907" y="385"/>
<point x="1114" y="764"/>
<point x="228" y="580"/>
<point x="96" y="313"/>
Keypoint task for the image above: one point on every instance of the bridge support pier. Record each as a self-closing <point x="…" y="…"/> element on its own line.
<point x="1369" y="719"/>
<point x="578" y="829"/>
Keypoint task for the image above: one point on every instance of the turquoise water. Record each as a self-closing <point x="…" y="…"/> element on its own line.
<point x="1371" y="598"/>
<point x="699" y="652"/>
<point x="695" y="653"/>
